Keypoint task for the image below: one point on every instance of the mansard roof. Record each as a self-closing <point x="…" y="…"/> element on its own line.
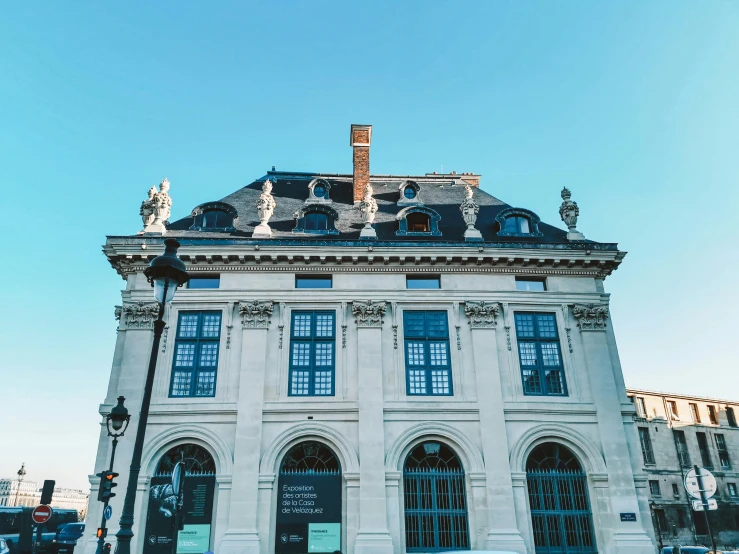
<point x="441" y="193"/>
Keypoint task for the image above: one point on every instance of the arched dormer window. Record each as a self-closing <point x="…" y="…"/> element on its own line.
<point x="517" y="222"/>
<point x="418" y="221"/>
<point x="409" y="193"/>
<point x="316" y="218"/>
<point x="214" y="216"/>
<point x="318" y="192"/>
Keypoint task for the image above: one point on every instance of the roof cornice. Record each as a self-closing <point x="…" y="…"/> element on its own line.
<point x="132" y="254"/>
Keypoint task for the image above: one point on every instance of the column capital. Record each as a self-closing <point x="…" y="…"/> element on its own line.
<point x="137" y="315"/>
<point x="368" y="313"/>
<point x="482" y="314"/>
<point x="590" y="317"/>
<point x="255" y="314"/>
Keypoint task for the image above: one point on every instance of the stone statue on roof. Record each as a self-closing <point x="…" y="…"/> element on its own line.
<point x="265" y="208"/>
<point x="470" y="209"/>
<point x="368" y="208"/>
<point x="155" y="210"/>
<point x="569" y="212"/>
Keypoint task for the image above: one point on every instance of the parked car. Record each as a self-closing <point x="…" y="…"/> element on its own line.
<point x="4" y="547"/>
<point x="67" y="536"/>
<point x="692" y="550"/>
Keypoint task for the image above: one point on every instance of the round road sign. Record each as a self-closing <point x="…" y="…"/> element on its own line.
<point x="709" y="483"/>
<point x="108" y="512"/>
<point x="41" y="514"/>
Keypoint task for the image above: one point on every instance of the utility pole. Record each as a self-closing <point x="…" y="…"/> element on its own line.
<point x="704" y="501"/>
<point x="21" y="475"/>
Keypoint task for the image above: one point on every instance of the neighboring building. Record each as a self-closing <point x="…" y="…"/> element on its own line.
<point x="15" y="493"/>
<point x="676" y="432"/>
<point x="30" y="495"/>
<point x="409" y="366"/>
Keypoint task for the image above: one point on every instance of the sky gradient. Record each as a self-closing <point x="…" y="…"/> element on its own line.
<point x="632" y="105"/>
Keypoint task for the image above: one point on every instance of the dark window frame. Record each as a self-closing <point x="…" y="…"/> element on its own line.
<point x="196" y="369"/>
<point x="433" y="222"/>
<point x="420" y="278"/>
<point x="332" y="216"/>
<point x="704" y="449"/>
<point x="426" y="340"/>
<point x="533" y="223"/>
<point x="523" y="279"/>
<point x="305" y="279"/>
<point x="203" y="279"/>
<point x="538" y="340"/>
<point x="712" y="414"/>
<point x="646" y="446"/>
<point x="654" y="488"/>
<point x="695" y="412"/>
<point x="681" y="447"/>
<point x="199" y="216"/>
<point x="731" y="416"/>
<point x="313" y="339"/>
<point x="723" y="451"/>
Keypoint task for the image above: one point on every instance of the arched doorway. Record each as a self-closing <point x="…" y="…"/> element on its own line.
<point x="559" y="502"/>
<point x="191" y="522"/>
<point x="308" y="500"/>
<point x="435" y="499"/>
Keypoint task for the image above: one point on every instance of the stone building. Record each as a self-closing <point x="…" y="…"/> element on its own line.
<point x="29" y="494"/>
<point x="679" y="431"/>
<point x="374" y="364"/>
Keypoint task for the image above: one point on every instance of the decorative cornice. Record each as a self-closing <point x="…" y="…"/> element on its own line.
<point x="368" y="313"/>
<point x="482" y="314"/>
<point x="590" y="317"/>
<point x="255" y="314"/>
<point x="137" y="315"/>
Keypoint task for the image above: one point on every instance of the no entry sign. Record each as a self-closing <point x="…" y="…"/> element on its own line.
<point x="41" y="514"/>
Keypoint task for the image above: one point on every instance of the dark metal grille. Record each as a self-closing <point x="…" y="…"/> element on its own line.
<point x="560" y="512"/>
<point x="197" y="460"/>
<point x="435" y="500"/>
<point x="435" y="510"/>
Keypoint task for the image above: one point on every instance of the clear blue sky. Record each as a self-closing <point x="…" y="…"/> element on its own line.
<point x="632" y="105"/>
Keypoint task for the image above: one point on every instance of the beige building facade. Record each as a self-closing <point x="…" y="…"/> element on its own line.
<point x="428" y="359"/>
<point x="676" y="433"/>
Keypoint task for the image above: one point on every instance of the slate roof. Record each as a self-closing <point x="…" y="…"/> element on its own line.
<point x="290" y="190"/>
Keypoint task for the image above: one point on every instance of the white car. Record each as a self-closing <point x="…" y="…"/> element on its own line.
<point x="4" y="549"/>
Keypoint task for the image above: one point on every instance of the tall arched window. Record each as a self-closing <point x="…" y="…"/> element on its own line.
<point x="435" y="500"/>
<point x="309" y="500"/>
<point x="558" y="497"/>
<point x="195" y="498"/>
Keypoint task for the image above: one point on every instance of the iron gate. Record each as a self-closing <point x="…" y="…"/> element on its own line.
<point x="435" y="510"/>
<point x="560" y="512"/>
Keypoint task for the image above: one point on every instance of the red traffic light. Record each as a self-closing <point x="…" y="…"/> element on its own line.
<point x="101" y="532"/>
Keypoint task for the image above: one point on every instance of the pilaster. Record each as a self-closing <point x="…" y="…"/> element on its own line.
<point x="625" y="537"/>
<point x="503" y="533"/>
<point x="373" y="536"/>
<point x="242" y="536"/>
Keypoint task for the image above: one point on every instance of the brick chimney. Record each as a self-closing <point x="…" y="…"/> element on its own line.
<point x="360" y="139"/>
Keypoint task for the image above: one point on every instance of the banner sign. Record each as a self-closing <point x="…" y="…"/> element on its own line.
<point x="197" y="513"/>
<point x="308" y="513"/>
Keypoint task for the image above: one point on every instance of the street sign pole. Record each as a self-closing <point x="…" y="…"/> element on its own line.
<point x="704" y="501"/>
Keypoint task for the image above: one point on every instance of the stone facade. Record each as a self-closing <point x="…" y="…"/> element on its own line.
<point x="369" y="416"/>
<point x="665" y="418"/>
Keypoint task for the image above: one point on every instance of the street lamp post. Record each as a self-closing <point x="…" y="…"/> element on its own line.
<point x="117" y="423"/>
<point x="165" y="273"/>
<point x="21" y="475"/>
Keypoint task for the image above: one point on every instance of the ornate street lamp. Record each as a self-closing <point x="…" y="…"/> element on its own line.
<point x="165" y="273"/>
<point x="117" y="423"/>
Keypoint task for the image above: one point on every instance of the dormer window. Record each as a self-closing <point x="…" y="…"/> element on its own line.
<point x="214" y="216"/>
<point x="316" y="218"/>
<point x="315" y="221"/>
<point x="409" y="193"/>
<point x="517" y="225"/>
<point x="518" y="222"/>
<point x="419" y="221"/>
<point x="318" y="192"/>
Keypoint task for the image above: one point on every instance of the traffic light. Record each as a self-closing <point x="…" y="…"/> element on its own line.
<point x="105" y="492"/>
<point x="101" y="533"/>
